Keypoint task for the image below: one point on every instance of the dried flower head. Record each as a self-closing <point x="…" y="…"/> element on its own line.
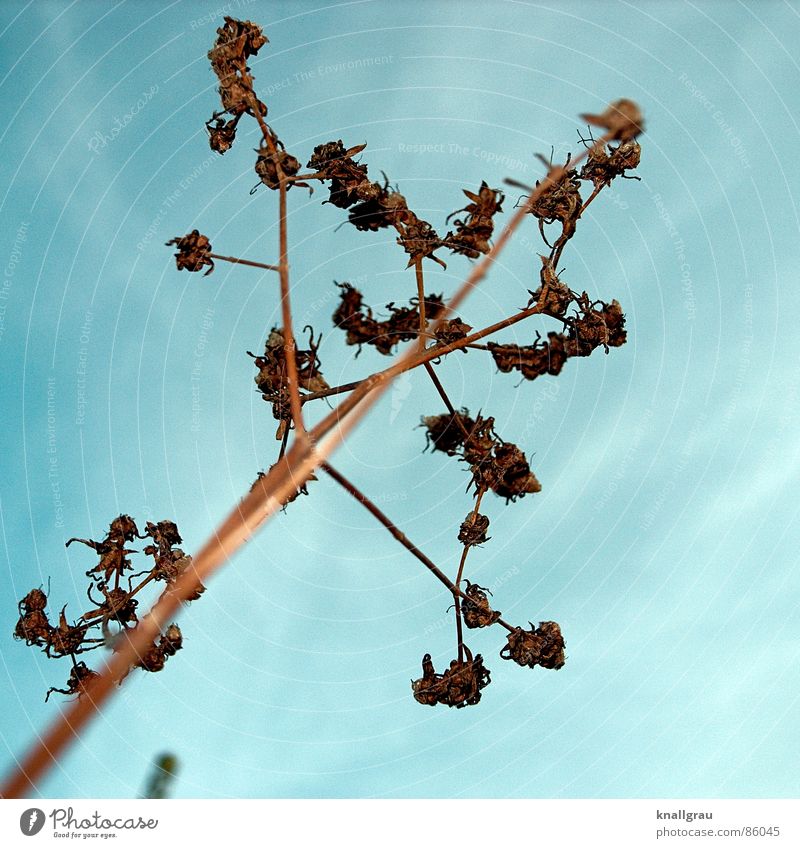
<point x="66" y="639"/>
<point x="473" y="529"/>
<point x="452" y="331"/>
<point x="459" y="686"/>
<point x="623" y="119"/>
<point x="401" y="326"/>
<point x="595" y="327"/>
<point x="604" y="165"/>
<point x="418" y="239"/>
<point x="542" y="646"/>
<point x="557" y="295"/>
<point x="33" y="626"/>
<point x="194" y="252"/>
<point x="447" y="432"/>
<point x="273" y="161"/>
<point x="475" y="607"/>
<point x="236" y="42"/>
<point x="221" y="133"/>
<point x="532" y="360"/>
<point x="78" y="681"/>
<point x="169" y="643"/>
<point x="471" y="237"/>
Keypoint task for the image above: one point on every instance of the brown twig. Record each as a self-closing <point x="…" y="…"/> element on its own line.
<point x="245" y="262"/>
<point x="398" y="534"/>
<point x="456" y="596"/>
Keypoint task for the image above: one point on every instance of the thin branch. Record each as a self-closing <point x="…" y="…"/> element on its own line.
<point x="421" y="298"/>
<point x="399" y="535"/>
<point x="245" y="262"/>
<point x="456" y="598"/>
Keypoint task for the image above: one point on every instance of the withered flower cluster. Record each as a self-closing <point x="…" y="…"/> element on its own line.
<point x="543" y="646"/>
<point x="473" y="529"/>
<point x="459" y="686"/>
<point x="273" y="376"/>
<point x="471" y="237"/>
<point x="605" y="164"/>
<point x="559" y="202"/>
<point x="475" y="607"/>
<point x="194" y="252"/>
<point x="371" y="206"/>
<point x="236" y="42"/>
<point x="595" y="325"/>
<point x="495" y="465"/>
<point x="362" y="327"/>
<point x="117" y="606"/>
<point x="273" y="160"/>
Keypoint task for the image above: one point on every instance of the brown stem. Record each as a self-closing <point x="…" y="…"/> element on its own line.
<point x="286" y="312"/>
<point x="283" y="270"/>
<point x="398" y="534"/>
<point x="245" y="262"/>
<point x="456" y="598"/>
<point x="445" y="398"/>
<point x="421" y="298"/>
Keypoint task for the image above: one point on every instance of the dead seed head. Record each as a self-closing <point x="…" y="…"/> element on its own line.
<point x="193" y="252"/>
<point x="542" y="646"/>
<point x="459" y="686"/>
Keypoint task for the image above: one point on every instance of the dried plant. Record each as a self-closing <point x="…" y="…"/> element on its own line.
<point x="112" y="617"/>
<point x="290" y="377"/>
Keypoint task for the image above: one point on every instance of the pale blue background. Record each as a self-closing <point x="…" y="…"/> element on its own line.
<point x="664" y="540"/>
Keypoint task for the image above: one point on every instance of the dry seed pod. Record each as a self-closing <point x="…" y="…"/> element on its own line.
<point x="623" y="118"/>
<point x="473" y="529"/>
<point x="605" y="165"/>
<point x="221" y="133"/>
<point x="459" y="686"/>
<point x="446" y="432"/>
<point x="155" y="658"/>
<point x="269" y="161"/>
<point x="452" y="331"/>
<point x="236" y="42"/>
<point x="471" y="237"/>
<point x="193" y="253"/>
<point x="542" y="646"/>
<point x="558" y="296"/>
<point x="33" y="626"/>
<point x="475" y="608"/>
<point x="79" y="679"/>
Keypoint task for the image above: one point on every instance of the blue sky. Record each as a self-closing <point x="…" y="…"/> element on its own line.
<point x="664" y="538"/>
